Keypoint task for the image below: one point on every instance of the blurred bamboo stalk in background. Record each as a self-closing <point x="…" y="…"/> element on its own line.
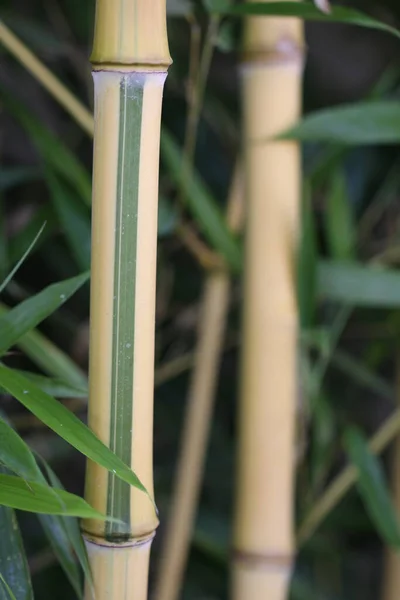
<point x="391" y="577"/>
<point x="212" y="323"/>
<point x="130" y="59"/>
<point x="263" y="536"/>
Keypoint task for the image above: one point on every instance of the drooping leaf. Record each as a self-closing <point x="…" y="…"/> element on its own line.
<point x="74" y="219"/>
<point x="14" y="570"/>
<point x="72" y="530"/>
<point x="359" y="285"/>
<point x="339" y="220"/>
<point x="372" y="122"/>
<point x="9" y="277"/>
<point x="29" y="313"/>
<point x="16" y="455"/>
<point x="201" y="204"/>
<point x="39" y="498"/>
<point x="65" y="424"/>
<point x="372" y="485"/>
<point x="308" y="11"/>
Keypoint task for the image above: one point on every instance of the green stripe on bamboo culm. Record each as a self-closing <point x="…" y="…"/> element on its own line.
<point x="123" y="342"/>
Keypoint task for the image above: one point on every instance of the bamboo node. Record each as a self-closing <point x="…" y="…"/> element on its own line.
<point x="286" y="51"/>
<point x="263" y="561"/>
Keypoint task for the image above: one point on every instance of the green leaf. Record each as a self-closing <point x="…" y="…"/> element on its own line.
<point x="358" y="285"/>
<point x="307" y="264"/>
<point x="29" y="313"/>
<point x="372" y="486"/>
<point x="56" y="532"/>
<point x="39" y="498"/>
<point x="307" y="11"/>
<point x="55" y="387"/>
<point x="21" y="240"/>
<point x="216" y="6"/>
<point x="65" y="424"/>
<point x="339" y="220"/>
<point x="16" y="455"/>
<point x="52" y="150"/>
<point x="74" y="219"/>
<point x="72" y="530"/>
<point x="14" y="571"/>
<point x="49" y="357"/>
<point x="372" y="122"/>
<point x="21" y="260"/>
<point x="200" y="202"/>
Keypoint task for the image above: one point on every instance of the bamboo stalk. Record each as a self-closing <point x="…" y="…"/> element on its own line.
<point x="263" y="536"/>
<point x="391" y="576"/>
<point x="130" y="59"/>
<point x="199" y="409"/>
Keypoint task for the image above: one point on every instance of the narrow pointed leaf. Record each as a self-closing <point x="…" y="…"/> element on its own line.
<point x="373" y="122"/>
<point x="29" y="313"/>
<point x="14" y="571"/>
<point x="22" y="259"/>
<point x="373" y="488"/>
<point x="308" y="11"/>
<point x="49" y="357"/>
<point x="21" y="240"/>
<point x="65" y="424"/>
<point x="39" y="498"/>
<point x="359" y="285"/>
<point x="201" y="204"/>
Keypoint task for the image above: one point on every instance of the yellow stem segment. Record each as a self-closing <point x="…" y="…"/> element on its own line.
<point x="263" y="536"/>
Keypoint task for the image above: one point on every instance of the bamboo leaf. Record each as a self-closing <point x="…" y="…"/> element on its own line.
<point x="49" y="357"/>
<point x="21" y="240"/>
<point x="65" y="424"/>
<point x="55" y="387"/>
<point x="202" y="205"/>
<point x="372" y="122"/>
<point x="52" y="150"/>
<point x="29" y="313"/>
<point x="21" y="260"/>
<point x="372" y="486"/>
<point x="72" y="530"/>
<point x="74" y="219"/>
<point x="39" y="498"/>
<point x="16" y="455"/>
<point x="358" y="285"/>
<point x="339" y="221"/>
<point x="309" y="12"/>
<point x="56" y="532"/>
<point x="14" y="571"/>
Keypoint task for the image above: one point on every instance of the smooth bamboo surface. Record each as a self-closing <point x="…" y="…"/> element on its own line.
<point x="391" y="573"/>
<point x="130" y="58"/>
<point x="263" y="536"/>
<point x="212" y="323"/>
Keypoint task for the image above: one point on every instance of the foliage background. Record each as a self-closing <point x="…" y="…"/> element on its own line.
<point x="352" y="216"/>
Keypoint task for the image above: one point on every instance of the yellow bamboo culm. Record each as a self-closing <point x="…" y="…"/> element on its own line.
<point x="391" y="578"/>
<point x="130" y="59"/>
<point x="263" y="534"/>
